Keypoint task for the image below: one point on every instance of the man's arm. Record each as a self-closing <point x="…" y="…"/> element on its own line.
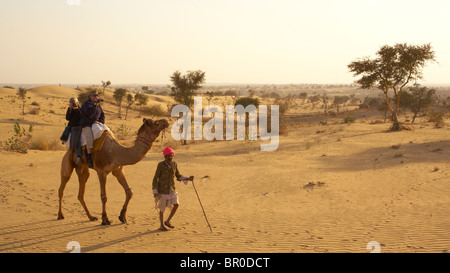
<point x="69" y="114"/>
<point x="101" y="119"/>
<point x="177" y="172"/>
<point x="155" y="180"/>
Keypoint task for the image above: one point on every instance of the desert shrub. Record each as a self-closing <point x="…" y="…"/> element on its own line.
<point x="364" y="106"/>
<point x="82" y="97"/>
<point x="283" y="127"/>
<point x="55" y="145"/>
<point x="377" y="121"/>
<point x="349" y="119"/>
<point x="332" y="114"/>
<point x="372" y="102"/>
<point x="35" y="111"/>
<point x="154" y="110"/>
<point x="245" y="101"/>
<point x="45" y="145"/>
<point x="437" y="117"/>
<point x="21" y="139"/>
<point x="39" y="144"/>
<point x="122" y="131"/>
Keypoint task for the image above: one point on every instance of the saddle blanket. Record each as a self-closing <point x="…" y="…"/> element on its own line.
<point x="99" y="130"/>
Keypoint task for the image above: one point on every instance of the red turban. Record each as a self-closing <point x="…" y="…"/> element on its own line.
<point x="168" y="150"/>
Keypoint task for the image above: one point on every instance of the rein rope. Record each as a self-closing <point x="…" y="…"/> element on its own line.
<point x="146" y="140"/>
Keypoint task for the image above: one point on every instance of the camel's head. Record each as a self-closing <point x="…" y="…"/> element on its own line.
<point x="150" y="129"/>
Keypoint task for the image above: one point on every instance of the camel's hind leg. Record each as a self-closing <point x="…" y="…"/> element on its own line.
<point x="120" y="175"/>
<point x="67" y="167"/>
<point x="83" y="175"/>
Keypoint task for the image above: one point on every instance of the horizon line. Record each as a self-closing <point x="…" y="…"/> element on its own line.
<point x="206" y="84"/>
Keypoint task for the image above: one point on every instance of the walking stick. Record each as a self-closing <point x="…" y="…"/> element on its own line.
<point x="201" y="201"/>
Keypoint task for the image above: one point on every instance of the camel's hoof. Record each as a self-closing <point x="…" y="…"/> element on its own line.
<point x="60" y="217"/>
<point x="123" y="219"/>
<point x="93" y="218"/>
<point x="106" y="223"/>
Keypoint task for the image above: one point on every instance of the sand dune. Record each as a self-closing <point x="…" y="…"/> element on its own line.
<point x="7" y="91"/>
<point x="54" y="91"/>
<point x="330" y="188"/>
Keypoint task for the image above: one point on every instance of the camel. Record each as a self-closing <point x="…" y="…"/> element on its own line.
<point x="111" y="158"/>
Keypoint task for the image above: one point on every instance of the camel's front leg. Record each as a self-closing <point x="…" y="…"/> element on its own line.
<point x="66" y="171"/>
<point x="120" y="175"/>
<point x="102" y="179"/>
<point x="64" y="180"/>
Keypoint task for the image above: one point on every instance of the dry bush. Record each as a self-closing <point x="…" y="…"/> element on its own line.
<point x="154" y="110"/>
<point x="35" y="111"/>
<point x="377" y="121"/>
<point x="45" y="145"/>
<point x="122" y="132"/>
<point x="55" y="145"/>
<point x="349" y="119"/>
<point x="437" y="117"/>
<point x="39" y="144"/>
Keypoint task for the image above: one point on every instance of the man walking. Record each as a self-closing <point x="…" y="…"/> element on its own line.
<point x="164" y="187"/>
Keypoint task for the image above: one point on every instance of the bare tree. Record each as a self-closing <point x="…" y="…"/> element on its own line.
<point x="105" y="84"/>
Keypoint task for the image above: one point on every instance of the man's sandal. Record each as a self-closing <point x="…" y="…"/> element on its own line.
<point x="168" y="224"/>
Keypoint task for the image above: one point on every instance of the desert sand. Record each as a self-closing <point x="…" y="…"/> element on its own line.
<point x="328" y="188"/>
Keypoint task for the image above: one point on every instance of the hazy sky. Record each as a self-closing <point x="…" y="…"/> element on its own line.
<point x="233" y="41"/>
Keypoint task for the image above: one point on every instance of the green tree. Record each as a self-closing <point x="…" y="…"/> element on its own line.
<point x="141" y="99"/>
<point x="394" y="68"/>
<point x="118" y="96"/>
<point x="184" y="86"/>
<point x="314" y="100"/>
<point x="246" y="101"/>
<point x="22" y="94"/>
<point x="338" y="100"/>
<point x="130" y="101"/>
<point x="417" y="99"/>
<point x="21" y="139"/>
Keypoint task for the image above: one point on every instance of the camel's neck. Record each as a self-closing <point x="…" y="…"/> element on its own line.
<point x="131" y="155"/>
